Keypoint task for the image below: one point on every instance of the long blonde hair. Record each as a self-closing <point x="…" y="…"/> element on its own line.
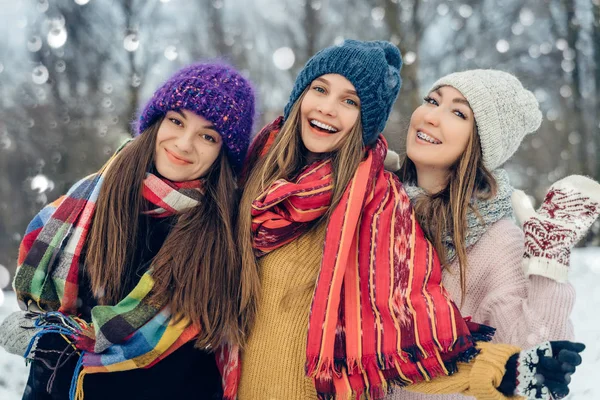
<point x="445" y="212"/>
<point x="284" y="160"/>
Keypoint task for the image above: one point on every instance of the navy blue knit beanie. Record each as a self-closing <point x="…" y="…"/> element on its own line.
<point x="374" y="70"/>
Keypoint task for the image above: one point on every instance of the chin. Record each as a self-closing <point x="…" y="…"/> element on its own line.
<point x="318" y="149"/>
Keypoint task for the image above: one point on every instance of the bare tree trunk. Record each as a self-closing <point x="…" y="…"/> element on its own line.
<point x="578" y="123"/>
<point x="132" y="90"/>
<point x="312" y="28"/>
<point x="410" y="98"/>
<point x="596" y="43"/>
<point x="410" y="39"/>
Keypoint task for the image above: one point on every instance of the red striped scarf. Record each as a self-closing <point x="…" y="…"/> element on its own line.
<point x="379" y="314"/>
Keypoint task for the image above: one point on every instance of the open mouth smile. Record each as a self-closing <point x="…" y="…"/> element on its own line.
<point x="323" y="127"/>
<point x="427" y="138"/>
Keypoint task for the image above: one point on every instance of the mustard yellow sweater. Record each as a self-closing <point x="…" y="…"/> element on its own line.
<point x="273" y="360"/>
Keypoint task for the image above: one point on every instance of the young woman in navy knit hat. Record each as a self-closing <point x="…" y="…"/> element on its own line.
<point x="351" y="302"/>
<point x="132" y="281"/>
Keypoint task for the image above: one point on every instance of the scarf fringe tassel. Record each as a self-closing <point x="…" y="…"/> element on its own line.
<point x="393" y="380"/>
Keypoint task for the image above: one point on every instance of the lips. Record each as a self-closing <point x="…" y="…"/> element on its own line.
<point x="321" y="127"/>
<point x="176" y="159"/>
<point x="427" y="138"/>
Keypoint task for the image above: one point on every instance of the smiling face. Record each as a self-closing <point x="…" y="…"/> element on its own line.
<point x="187" y="145"/>
<point x="329" y="110"/>
<point x="439" y="130"/>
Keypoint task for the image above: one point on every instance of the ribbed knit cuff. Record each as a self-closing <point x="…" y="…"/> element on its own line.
<point x="546" y="267"/>
<point x="488" y="370"/>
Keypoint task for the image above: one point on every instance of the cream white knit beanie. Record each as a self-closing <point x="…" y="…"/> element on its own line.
<point x="504" y="111"/>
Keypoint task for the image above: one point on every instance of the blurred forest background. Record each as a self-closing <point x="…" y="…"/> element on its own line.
<point x="74" y="72"/>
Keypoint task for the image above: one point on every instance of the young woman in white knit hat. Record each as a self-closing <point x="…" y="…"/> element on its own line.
<point x="515" y="280"/>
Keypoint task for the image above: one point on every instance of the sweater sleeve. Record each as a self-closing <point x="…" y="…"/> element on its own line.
<point x="524" y="310"/>
<point x="478" y="378"/>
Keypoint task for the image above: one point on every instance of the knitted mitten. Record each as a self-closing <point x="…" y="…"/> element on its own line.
<point x="542" y="372"/>
<point x="16" y="332"/>
<point x="392" y="161"/>
<point x="571" y="206"/>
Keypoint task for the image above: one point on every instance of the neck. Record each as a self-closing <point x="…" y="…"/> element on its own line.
<point x="432" y="180"/>
<point x="312" y="157"/>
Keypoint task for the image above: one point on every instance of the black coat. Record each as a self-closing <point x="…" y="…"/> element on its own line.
<point x="187" y="373"/>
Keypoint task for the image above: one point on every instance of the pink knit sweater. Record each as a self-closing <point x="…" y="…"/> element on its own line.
<point x="524" y="311"/>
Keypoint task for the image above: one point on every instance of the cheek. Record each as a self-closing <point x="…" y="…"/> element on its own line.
<point x="460" y="137"/>
<point x="417" y="116"/>
<point x="349" y="119"/>
<point x="307" y="103"/>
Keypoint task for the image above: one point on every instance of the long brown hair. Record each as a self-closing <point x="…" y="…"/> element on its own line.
<point x="197" y="269"/>
<point x="284" y="160"/>
<point x="445" y="212"/>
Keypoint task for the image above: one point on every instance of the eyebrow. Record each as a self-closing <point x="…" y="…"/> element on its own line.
<point x="209" y="126"/>
<point x="325" y="81"/>
<point x="455" y="100"/>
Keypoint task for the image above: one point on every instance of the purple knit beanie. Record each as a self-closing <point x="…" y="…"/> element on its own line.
<point x="214" y="91"/>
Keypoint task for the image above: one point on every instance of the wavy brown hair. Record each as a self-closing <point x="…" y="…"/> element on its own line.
<point x="284" y="160"/>
<point x="445" y="212"/>
<point x="197" y="269"/>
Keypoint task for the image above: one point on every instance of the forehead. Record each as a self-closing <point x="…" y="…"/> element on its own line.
<point x="338" y="81"/>
<point x="451" y="92"/>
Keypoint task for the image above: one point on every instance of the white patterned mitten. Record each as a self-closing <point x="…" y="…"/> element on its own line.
<point x="392" y="161"/>
<point x="16" y="332"/>
<point x="571" y="206"/>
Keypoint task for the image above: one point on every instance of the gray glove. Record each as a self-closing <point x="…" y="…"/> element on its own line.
<point x="16" y="332"/>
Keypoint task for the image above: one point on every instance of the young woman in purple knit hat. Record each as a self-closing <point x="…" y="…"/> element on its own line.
<point x="131" y="283"/>
<point x="469" y="125"/>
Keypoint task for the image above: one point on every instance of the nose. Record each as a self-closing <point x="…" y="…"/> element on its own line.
<point x="431" y="116"/>
<point x="185" y="141"/>
<point x="327" y="106"/>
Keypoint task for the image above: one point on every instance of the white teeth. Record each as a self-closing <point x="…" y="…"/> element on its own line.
<point x="427" y="138"/>
<point x="323" y="126"/>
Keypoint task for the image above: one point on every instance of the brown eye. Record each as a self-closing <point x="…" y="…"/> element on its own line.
<point x="209" y="138"/>
<point x="176" y="121"/>
<point x="430" y="100"/>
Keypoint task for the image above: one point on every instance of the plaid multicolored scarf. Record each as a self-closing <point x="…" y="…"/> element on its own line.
<point x="136" y="332"/>
<point x="379" y="314"/>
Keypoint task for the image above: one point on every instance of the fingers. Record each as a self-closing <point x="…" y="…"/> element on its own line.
<point x="558" y="345"/>
<point x="552" y="369"/>
<point x="558" y="390"/>
<point x="568" y="368"/>
<point x="569" y="357"/>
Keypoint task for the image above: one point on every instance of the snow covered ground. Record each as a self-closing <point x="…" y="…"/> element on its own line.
<point x="585" y="276"/>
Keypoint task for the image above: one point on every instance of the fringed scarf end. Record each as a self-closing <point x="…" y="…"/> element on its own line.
<point x="484" y="334"/>
<point x="321" y="368"/>
<point x="464" y="357"/>
<point x="76" y="390"/>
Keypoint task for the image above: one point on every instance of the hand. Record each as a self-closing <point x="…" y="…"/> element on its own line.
<point x="542" y="372"/>
<point x="569" y="209"/>
<point x="17" y="331"/>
